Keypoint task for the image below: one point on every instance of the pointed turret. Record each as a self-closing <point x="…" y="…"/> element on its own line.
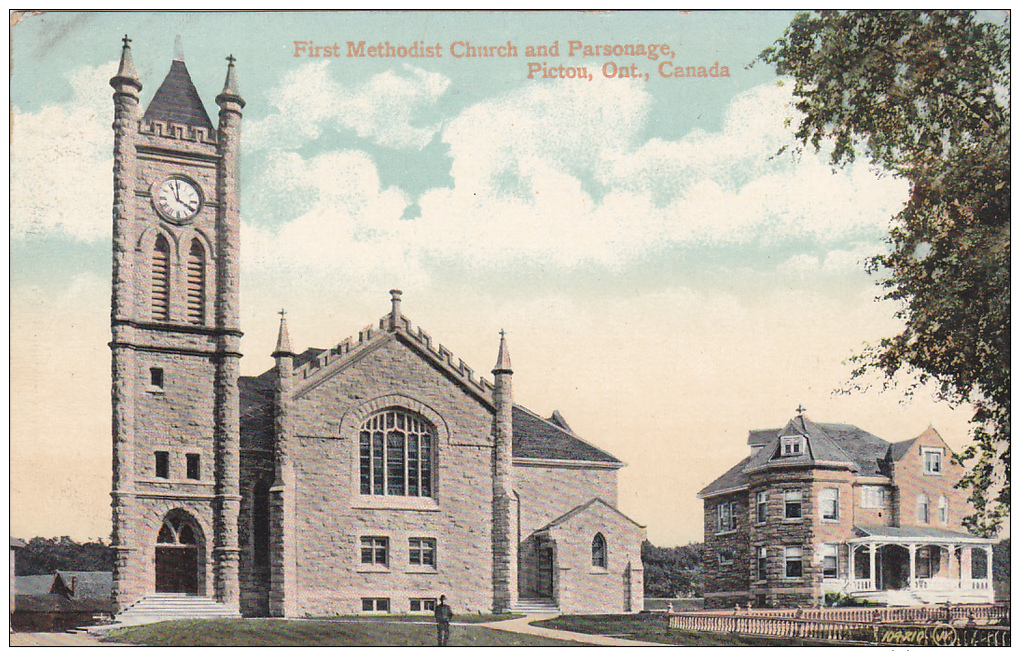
<point x="283" y="338"/>
<point x="503" y="359"/>
<point x="230" y="92"/>
<point x="504" y="526"/>
<point x="126" y="73"/>
<point x="177" y="100"/>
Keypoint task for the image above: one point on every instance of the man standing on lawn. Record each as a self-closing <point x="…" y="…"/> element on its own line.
<point x="443" y="616"/>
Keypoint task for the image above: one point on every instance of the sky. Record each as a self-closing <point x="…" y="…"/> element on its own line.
<point x="665" y="279"/>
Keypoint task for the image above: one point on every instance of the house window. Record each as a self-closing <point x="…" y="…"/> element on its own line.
<point x="726" y="556"/>
<point x="161" y="280"/>
<point x="830" y="504"/>
<point x="163" y="464"/>
<point x="762" y="507"/>
<point x="727" y="517"/>
<point x="193" y="466"/>
<point x="375" y="605"/>
<point x="422" y="552"/>
<point x="156" y="378"/>
<point x="872" y="497"/>
<point x="791" y="505"/>
<point x="830" y="561"/>
<point x="598" y="551"/>
<point x="375" y="550"/>
<point x="763" y="557"/>
<point x="793" y="446"/>
<point x="943" y="510"/>
<point x="423" y="604"/>
<point x="396" y="455"/>
<point x="922" y="508"/>
<point x="196" y="283"/>
<point x="932" y="461"/>
<point x="923" y="563"/>
<point x="794" y="557"/>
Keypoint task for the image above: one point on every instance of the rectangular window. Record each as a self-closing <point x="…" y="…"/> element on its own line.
<point x="763" y="504"/>
<point x="793" y="446"/>
<point x="932" y="461"/>
<point x="943" y="510"/>
<point x="791" y="505"/>
<point x="375" y="550"/>
<point x="156" y="378"/>
<point x="375" y="604"/>
<point x="922" y="509"/>
<point x="163" y="464"/>
<point x="422" y="552"/>
<point x="423" y="604"/>
<point x="872" y="497"/>
<point x="726" y="517"/>
<point x="726" y="557"/>
<point x="395" y="462"/>
<point x="794" y="557"/>
<point x="763" y="564"/>
<point x="194" y="466"/>
<point x="830" y="562"/>
<point x="829" y="498"/>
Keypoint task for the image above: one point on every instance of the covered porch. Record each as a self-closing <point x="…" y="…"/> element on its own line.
<point x="910" y="565"/>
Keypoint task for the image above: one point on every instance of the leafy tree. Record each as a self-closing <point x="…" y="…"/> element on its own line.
<point x="924" y="95"/>
<point x="48" y="555"/>
<point x="672" y="571"/>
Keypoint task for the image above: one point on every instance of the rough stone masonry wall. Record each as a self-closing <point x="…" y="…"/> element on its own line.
<point x="333" y="516"/>
<point x="586" y="589"/>
<point x="726" y="584"/>
<point x="256" y="468"/>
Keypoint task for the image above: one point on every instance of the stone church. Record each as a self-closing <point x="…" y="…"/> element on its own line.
<point x="371" y="476"/>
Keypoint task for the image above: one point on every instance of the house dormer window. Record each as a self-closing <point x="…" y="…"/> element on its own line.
<point x="792" y="446"/>
<point x="932" y="460"/>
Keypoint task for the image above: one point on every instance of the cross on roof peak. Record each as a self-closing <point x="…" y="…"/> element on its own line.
<point x="800" y="410"/>
<point x="126" y="40"/>
<point x="282" y="313"/>
<point x="502" y="333"/>
<point x="231" y="59"/>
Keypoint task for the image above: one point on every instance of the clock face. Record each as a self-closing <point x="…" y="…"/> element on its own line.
<point x="178" y="200"/>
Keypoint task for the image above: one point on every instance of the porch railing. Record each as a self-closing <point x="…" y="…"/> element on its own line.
<point x="863" y="585"/>
<point x="937" y="583"/>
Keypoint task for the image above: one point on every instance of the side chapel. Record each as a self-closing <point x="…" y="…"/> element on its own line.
<point x="371" y="476"/>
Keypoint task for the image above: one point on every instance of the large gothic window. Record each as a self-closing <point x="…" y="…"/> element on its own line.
<point x="396" y="455"/>
<point x="161" y="280"/>
<point x="196" y="283"/>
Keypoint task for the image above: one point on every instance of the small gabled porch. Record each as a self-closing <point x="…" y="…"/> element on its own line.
<point x="911" y="565"/>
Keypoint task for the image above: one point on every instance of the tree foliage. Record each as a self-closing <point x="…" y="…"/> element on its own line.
<point x="672" y="571"/>
<point x="925" y="95"/>
<point x="48" y="555"/>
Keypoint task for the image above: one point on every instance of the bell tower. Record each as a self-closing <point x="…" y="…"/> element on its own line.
<point x="175" y="337"/>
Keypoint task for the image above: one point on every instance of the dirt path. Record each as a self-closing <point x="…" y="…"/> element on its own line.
<point x="73" y="638"/>
<point x="523" y="625"/>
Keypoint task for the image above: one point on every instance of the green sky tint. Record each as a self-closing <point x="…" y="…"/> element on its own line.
<point x="666" y="282"/>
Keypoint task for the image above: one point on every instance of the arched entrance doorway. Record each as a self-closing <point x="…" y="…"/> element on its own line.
<point x="179" y="562"/>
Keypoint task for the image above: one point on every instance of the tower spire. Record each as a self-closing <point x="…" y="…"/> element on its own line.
<point x="230" y="92"/>
<point x="126" y="73"/>
<point x="503" y="359"/>
<point x="178" y="49"/>
<point x="283" y="338"/>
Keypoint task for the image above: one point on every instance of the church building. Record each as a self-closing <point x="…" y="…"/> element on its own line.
<point x="372" y="476"/>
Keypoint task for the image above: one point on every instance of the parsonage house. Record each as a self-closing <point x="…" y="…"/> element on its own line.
<point x="828" y="508"/>
<point x="372" y="476"/>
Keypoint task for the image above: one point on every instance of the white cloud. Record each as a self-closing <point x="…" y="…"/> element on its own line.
<point x="62" y="162"/>
<point x="383" y="109"/>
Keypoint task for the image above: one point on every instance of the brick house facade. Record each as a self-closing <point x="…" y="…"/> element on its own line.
<point x="826" y="508"/>
<point x="371" y="476"/>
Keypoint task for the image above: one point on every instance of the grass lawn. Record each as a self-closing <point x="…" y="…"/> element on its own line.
<point x="317" y="632"/>
<point x="652" y="628"/>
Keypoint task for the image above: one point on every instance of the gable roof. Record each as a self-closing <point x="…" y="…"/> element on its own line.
<point x="178" y="101"/>
<point x="534" y="437"/>
<point x="577" y="510"/>
<point x="900" y="448"/>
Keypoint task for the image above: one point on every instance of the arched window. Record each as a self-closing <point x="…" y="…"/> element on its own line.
<point x="598" y="551"/>
<point x="196" y="283"/>
<point x="161" y="280"/>
<point x="922" y="508"/>
<point x="396" y="455"/>
<point x="943" y="509"/>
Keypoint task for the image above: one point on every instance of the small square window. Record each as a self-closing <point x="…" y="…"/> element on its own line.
<point x="156" y="378"/>
<point x="423" y="605"/>
<point x="375" y="604"/>
<point x="194" y="466"/>
<point x="793" y="446"/>
<point x="375" y="551"/>
<point x="422" y="552"/>
<point x="932" y="461"/>
<point x="872" y="497"/>
<point x="163" y="464"/>
<point x="726" y="557"/>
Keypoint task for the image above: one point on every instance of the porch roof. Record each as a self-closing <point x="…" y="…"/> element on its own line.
<point x="877" y="533"/>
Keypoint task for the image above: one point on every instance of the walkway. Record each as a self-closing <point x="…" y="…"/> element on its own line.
<point x="523" y="625"/>
<point x="70" y="638"/>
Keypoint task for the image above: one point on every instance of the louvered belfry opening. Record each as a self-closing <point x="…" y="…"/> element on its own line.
<point x="161" y="280"/>
<point x="196" y="283"/>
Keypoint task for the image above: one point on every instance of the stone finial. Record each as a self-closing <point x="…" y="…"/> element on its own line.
<point x="178" y="48"/>
<point x="283" y="338"/>
<point x="503" y="359"/>
<point x="126" y="73"/>
<point x="231" y="90"/>
<point x="394" y="307"/>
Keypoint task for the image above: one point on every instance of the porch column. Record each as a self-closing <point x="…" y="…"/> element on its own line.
<point x="850" y="571"/>
<point x="913" y="551"/>
<point x="965" y="562"/>
<point x="871" y="565"/>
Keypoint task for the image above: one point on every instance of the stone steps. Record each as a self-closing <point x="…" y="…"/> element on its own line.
<point x="169" y="606"/>
<point x="536" y="607"/>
